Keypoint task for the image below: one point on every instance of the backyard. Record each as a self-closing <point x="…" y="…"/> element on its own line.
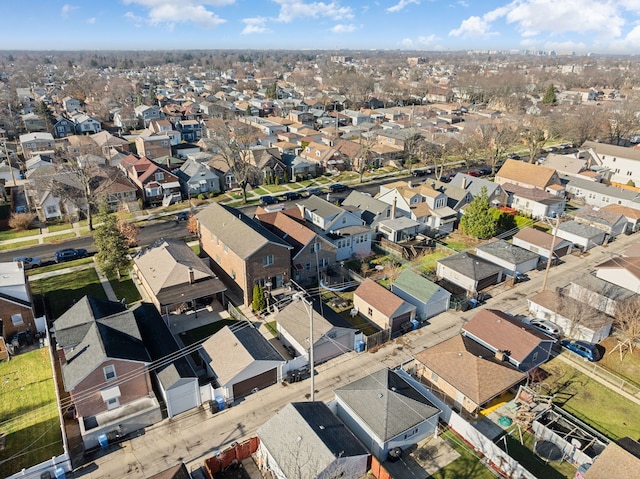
<point x="28" y="412"/>
<point x="468" y="465"/>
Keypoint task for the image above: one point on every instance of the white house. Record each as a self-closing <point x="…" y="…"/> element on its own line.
<point x="428" y="298"/>
<point x="511" y="257"/>
<point x="622" y="162"/>
<point x="623" y="271"/>
<point x="584" y="236"/>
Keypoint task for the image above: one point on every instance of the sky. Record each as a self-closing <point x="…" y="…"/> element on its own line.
<point x="583" y="26"/>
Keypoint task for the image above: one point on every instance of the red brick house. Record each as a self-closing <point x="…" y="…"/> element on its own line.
<point x="154" y="183"/>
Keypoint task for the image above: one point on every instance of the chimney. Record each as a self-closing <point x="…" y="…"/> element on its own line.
<point x="192" y="276"/>
<point x="464" y="183"/>
<point x="409" y="184"/>
<point x="393" y="208"/>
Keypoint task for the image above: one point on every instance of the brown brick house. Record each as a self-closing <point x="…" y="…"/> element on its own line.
<point x="16" y="313"/>
<point x="243" y="252"/>
<point x="382" y="307"/>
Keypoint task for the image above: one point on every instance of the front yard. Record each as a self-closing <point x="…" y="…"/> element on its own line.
<point x="28" y="412"/>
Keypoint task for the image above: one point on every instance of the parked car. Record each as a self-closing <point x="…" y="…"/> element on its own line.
<point x="314" y="191"/>
<point x="548" y="327"/>
<point x="484" y="171"/>
<point x="336" y="187"/>
<point x="445" y="178"/>
<point x="513" y="156"/>
<point x="268" y="200"/>
<point x="28" y="261"/>
<point x="182" y="216"/>
<point x="69" y="254"/>
<point x="582" y="348"/>
<point x="292" y="195"/>
<point x="418" y="173"/>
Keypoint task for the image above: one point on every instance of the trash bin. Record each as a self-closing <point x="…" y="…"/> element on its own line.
<point x="220" y="403"/>
<point x="103" y="440"/>
<point x="360" y="346"/>
<point x="60" y="473"/>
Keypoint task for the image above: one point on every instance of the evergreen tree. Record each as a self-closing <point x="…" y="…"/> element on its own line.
<point x="549" y="97"/>
<point x="259" y="302"/>
<point x="477" y="220"/>
<point x="112" y="255"/>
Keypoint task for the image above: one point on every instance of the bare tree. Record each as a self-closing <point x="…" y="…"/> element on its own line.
<point x="627" y="323"/>
<point x="622" y="122"/>
<point x="585" y="123"/>
<point x="534" y="134"/>
<point x="365" y="155"/>
<point x="578" y="311"/>
<point x="498" y="138"/>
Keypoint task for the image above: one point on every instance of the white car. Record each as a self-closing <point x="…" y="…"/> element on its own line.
<point x="28" y="261"/>
<point x="546" y="327"/>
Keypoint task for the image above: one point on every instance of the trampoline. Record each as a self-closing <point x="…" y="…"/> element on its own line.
<point x="548" y="451"/>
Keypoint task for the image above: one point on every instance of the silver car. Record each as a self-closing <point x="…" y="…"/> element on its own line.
<point x="547" y="327"/>
<point x="28" y="261"/>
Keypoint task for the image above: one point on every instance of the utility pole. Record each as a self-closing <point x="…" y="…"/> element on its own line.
<point x="309" y="306"/>
<point x="550" y="258"/>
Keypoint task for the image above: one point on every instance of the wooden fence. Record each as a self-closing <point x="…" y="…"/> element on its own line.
<point x="233" y="455"/>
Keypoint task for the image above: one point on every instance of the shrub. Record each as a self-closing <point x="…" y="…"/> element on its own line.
<point x="201" y="197"/>
<point x="21" y="221"/>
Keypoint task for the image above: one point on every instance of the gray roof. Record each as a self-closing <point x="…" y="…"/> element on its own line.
<point x="192" y="167"/>
<point x="113" y="337"/>
<point x="580" y="229"/>
<point x="602" y="287"/>
<point x="305" y="438"/>
<point x="508" y="251"/>
<point x="369" y="206"/>
<point x="321" y="207"/>
<point x="400" y="223"/>
<point x="601" y="188"/>
<point x="473" y="185"/>
<point x="416" y="285"/>
<point x="386" y="403"/>
<point x="72" y="326"/>
<point x="470" y="265"/>
<point x="237" y="231"/>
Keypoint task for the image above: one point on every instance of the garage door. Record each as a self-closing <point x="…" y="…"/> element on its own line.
<point x="486" y="282"/>
<point x="260" y="381"/>
<point x="560" y="252"/>
<point x="183" y="398"/>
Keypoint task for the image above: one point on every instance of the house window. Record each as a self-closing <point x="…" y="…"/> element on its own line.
<point x="268" y="260"/>
<point x="408" y="434"/>
<point x="113" y="403"/>
<point x="324" y="262"/>
<point x="16" y="319"/>
<point x="315" y="248"/>
<point x="51" y="210"/>
<point x="308" y="267"/>
<point x="159" y="176"/>
<point x="109" y="372"/>
<point x="370" y="311"/>
<point x="535" y="356"/>
<point x="434" y="377"/>
<point x="164" y="143"/>
<point x="225" y="248"/>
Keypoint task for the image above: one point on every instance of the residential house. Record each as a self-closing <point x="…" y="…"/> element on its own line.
<point x="600" y="194"/>
<point x="611" y="222"/>
<point x="581" y="235"/>
<point x="33" y="144"/>
<point x="383" y="308"/>
<point x="190" y="130"/>
<point x="311" y="255"/>
<point x="518" y="343"/>
<point x="33" y="122"/>
<point x="622" y="271"/>
<point x="468" y="272"/>
<point x="511" y="257"/>
<point x="495" y="193"/>
<point x="177" y="381"/>
<point x="241" y="360"/>
<point x="71" y="104"/>
<point x="631" y="215"/>
<point x="597" y="293"/>
<point x="146" y="114"/>
<point x="174" y="277"/>
<point x="105" y="368"/>
<point x="63" y="127"/>
<point x="154" y="182"/>
<point x="321" y="155"/>
<point x="196" y="178"/>
<point x="113" y="187"/>
<point x="428" y="298"/>
<point x="534" y="202"/>
<point x="269" y="162"/>
<point x="399" y="229"/>
<point x="619" y="459"/>
<point x="344" y="229"/>
<point x="622" y="162"/>
<point x="16" y="306"/>
<point x="575" y="318"/>
<point x="78" y="145"/>
<point x="184" y="150"/>
<point x="467" y="373"/>
<point x="542" y="243"/>
<point x="305" y="440"/>
<point x="570" y="165"/>
<point x="385" y="410"/>
<point x="85" y="124"/>
<point x="370" y="209"/>
<point x="109" y="144"/>
<point x="332" y="334"/>
<point x="152" y="145"/>
<point x="54" y="194"/>
<point x="529" y="175"/>
<point x="125" y="119"/>
<point x="244" y="253"/>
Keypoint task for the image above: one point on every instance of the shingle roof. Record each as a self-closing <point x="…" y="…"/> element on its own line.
<point x="238" y="232"/>
<point x="470" y="368"/>
<point x="579" y="229"/>
<point x="305" y="438"/>
<point x="527" y="173"/>
<point x="470" y="265"/>
<point x="72" y="326"/>
<point x="508" y="251"/>
<point x="614" y="461"/>
<point x="505" y="333"/>
<point x="378" y="297"/>
<point x="416" y="285"/>
<point x="612" y="150"/>
<point x="629" y="263"/>
<point x="539" y="238"/>
<point x="386" y="403"/>
<point x="324" y="320"/>
<point x="290" y="230"/>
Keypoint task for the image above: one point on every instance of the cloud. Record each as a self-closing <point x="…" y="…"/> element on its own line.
<point x="67" y="9"/>
<point x="169" y="12"/>
<point x="255" y="25"/>
<point x="342" y="28"/>
<point x="472" y="27"/>
<point x="293" y="9"/>
<point x="91" y="20"/>
<point x="422" y="42"/>
<point x="401" y="4"/>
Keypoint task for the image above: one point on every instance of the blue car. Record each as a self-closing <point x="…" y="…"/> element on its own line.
<point x="582" y="348"/>
<point x="69" y="254"/>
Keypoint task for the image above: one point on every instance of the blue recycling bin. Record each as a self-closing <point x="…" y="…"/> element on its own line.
<point x="220" y="401"/>
<point x="103" y="440"/>
<point x="360" y="346"/>
<point x="60" y="473"/>
<point x="414" y="324"/>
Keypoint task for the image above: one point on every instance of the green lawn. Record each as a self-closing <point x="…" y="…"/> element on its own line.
<point x="21" y="244"/>
<point x="428" y="261"/>
<point x="271" y="326"/>
<point x="59" y="238"/>
<point x="203" y="332"/>
<point x="196" y="249"/>
<point x="590" y="401"/>
<point x="13" y="234"/>
<point x="125" y="288"/>
<point x="467" y="466"/>
<point x="59" y="227"/>
<point x="28" y="412"/>
<point x="59" y="266"/>
<point x="628" y="368"/>
<point x="63" y="290"/>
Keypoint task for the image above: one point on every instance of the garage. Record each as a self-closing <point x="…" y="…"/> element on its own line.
<point x="182" y="396"/>
<point x="488" y="281"/>
<point x="260" y="381"/>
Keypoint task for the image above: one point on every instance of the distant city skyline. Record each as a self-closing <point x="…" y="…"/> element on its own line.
<point x="583" y="26"/>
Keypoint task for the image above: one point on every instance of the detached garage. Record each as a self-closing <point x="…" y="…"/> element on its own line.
<point x="242" y="360"/>
<point x="176" y="382"/>
<point x="511" y="257"/>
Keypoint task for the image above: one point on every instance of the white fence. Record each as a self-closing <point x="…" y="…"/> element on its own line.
<point x="482" y="444"/>
<point x="59" y="462"/>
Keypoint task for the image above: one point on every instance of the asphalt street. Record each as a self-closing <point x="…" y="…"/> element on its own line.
<point x="198" y="434"/>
